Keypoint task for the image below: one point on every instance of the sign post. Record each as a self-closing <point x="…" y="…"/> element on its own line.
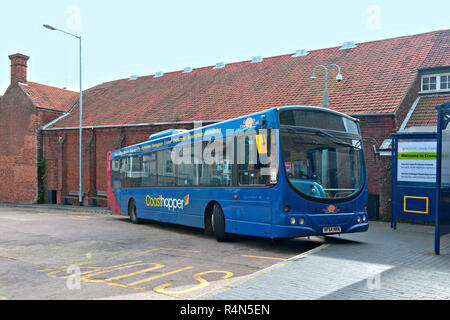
<point x="442" y="224"/>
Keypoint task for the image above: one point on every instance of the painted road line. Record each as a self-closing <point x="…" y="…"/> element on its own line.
<point x="260" y="257"/>
<point x="54" y="274"/>
<point x="155" y="267"/>
<point x="198" y="276"/>
<point x="87" y="278"/>
<point x="158" y="276"/>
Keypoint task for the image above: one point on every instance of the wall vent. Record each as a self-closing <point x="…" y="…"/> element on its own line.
<point x="300" y="53"/>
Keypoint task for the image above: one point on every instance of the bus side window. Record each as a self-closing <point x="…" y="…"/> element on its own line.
<point x="115" y="174"/>
<point x="186" y="170"/>
<point x="215" y="168"/>
<point x="149" y="169"/>
<point x="166" y="168"/>
<point x="249" y="164"/>
<point x="123" y="172"/>
<point x="134" y="171"/>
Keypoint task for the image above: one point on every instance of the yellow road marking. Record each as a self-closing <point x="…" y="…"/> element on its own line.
<point x="198" y="277"/>
<point x="124" y="286"/>
<point x="155" y="267"/>
<point x="53" y="274"/>
<point x="158" y="276"/>
<point x="87" y="278"/>
<point x="259" y="257"/>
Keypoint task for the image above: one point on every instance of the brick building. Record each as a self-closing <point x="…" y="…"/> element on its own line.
<point x="24" y="108"/>
<point x="383" y="82"/>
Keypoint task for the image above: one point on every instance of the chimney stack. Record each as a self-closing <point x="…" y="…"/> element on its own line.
<point x="18" y="68"/>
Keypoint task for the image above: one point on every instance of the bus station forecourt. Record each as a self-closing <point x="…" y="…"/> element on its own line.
<point x="380" y="264"/>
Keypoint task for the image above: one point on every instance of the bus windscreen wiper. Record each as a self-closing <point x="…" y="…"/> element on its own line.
<point x="321" y="132"/>
<point x="335" y="140"/>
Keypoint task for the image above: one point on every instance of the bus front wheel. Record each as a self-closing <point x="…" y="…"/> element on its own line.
<point x="132" y="212"/>
<point x="218" y="223"/>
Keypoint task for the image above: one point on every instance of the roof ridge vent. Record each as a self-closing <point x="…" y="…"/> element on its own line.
<point x="133" y="77"/>
<point x="158" y="74"/>
<point x="300" y="53"/>
<point x="219" y="65"/>
<point x="257" y="59"/>
<point x="188" y="69"/>
<point x="348" y="45"/>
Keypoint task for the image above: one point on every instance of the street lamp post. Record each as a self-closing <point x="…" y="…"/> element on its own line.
<point x="338" y="79"/>
<point x="80" y="198"/>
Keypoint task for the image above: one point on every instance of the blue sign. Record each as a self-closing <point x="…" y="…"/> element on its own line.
<point x="414" y="165"/>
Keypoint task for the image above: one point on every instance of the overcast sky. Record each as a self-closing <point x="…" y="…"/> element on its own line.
<point x="132" y="37"/>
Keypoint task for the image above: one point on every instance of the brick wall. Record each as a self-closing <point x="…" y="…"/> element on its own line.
<point x="20" y="146"/>
<point x="378" y="173"/>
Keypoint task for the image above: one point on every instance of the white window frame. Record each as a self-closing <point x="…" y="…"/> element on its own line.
<point x="438" y="82"/>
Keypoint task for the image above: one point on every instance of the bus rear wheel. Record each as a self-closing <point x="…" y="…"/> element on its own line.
<point x="218" y="223"/>
<point x="132" y="212"/>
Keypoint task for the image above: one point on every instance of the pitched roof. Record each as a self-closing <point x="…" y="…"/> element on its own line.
<point x="425" y="114"/>
<point x="51" y="98"/>
<point x="377" y="75"/>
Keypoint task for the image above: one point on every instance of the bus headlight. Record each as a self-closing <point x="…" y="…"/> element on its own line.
<point x="292" y="220"/>
<point x="358" y="219"/>
<point x="301" y="221"/>
<point x="364" y="218"/>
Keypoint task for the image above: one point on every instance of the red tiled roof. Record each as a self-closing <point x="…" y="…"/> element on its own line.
<point x="51" y="98"/>
<point x="377" y="75"/>
<point x="425" y="113"/>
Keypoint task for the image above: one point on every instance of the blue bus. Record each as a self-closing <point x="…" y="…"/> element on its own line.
<point x="284" y="172"/>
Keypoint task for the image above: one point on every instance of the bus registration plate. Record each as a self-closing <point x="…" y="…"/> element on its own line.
<point x="331" y="229"/>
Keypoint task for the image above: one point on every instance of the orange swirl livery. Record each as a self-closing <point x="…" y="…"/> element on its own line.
<point x="331" y="209"/>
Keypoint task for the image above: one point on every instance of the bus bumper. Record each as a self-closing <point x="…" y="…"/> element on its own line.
<point x="319" y="224"/>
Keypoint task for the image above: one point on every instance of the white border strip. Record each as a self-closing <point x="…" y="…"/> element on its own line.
<point x="246" y="278"/>
<point x="408" y="116"/>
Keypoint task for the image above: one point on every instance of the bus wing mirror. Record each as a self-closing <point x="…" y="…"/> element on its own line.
<point x="374" y="147"/>
<point x="375" y="153"/>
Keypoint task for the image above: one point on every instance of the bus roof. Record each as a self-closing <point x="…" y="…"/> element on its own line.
<point x="220" y="129"/>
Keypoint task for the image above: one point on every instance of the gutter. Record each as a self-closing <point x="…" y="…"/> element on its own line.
<point x="123" y="125"/>
<point x="392" y="114"/>
<point x="54" y="121"/>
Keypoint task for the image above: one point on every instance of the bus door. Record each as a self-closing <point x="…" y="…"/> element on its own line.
<point x="253" y="166"/>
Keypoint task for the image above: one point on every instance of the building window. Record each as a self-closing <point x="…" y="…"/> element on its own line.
<point x="445" y="82"/>
<point x="428" y="83"/>
<point x="436" y="82"/>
